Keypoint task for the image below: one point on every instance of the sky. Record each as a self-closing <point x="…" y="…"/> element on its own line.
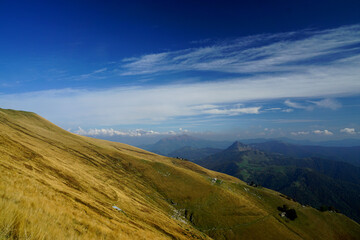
<point x="216" y="69"/>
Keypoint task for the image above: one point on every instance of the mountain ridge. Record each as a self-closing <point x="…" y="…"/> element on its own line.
<point x="286" y="174"/>
<point x="344" y="154"/>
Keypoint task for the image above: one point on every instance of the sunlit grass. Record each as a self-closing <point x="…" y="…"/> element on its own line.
<point x="57" y="185"/>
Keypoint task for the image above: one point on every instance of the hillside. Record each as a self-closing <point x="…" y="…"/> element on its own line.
<point x="58" y="185"/>
<point x="313" y="181"/>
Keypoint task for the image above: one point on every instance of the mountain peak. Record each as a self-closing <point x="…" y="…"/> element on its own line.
<point x="239" y="147"/>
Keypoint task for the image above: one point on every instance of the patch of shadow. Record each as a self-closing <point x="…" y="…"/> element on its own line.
<point x="95" y="209"/>
<point x="112" y="198"/>
<point x="163" y="231"/>
<point x="28" y="166"/>
<point x="69" y="180"/>
<point x="140" y="152"/>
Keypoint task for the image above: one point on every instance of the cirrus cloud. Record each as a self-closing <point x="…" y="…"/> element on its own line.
<point x="291" y="51"/>
<point x="305" y="65"/>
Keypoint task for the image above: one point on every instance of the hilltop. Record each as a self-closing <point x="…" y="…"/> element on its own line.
<point x="58" y="185"/>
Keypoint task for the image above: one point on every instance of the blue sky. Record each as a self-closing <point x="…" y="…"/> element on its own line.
<point x="235" y="69"/>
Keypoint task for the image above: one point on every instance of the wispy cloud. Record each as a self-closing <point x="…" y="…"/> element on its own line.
<point x="130" y="105"/>
<point x="307" y="65"/>
<point x="232" y="111"/>
<point x="96" y="74"/>
<point x="283" y="52"/>
<point x="311" y="105"/>
<point x="327" y="103"/>
<point x="277" y="109"/>
<point x="292" y="104"/>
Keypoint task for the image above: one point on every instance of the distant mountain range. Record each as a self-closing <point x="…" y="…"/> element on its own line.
<point x="193" y="154"/>
<point x="350" y="142"/>
<point x="168" y="145"/>
<point x="312" y="174"/>
<point x="312" y="180"/>
<point x="193" y="148"/>
<point x="345" y="154"/>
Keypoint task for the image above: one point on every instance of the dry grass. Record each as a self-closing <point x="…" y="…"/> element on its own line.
<point x="57" y="185"/>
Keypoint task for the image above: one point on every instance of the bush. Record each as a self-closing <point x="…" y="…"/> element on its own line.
<point x="284" y="208"/>
<point x="291" y="214"/>
<point x="324" y="208"/>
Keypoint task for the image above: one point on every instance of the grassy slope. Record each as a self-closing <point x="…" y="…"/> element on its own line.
<point x="302" y="179"/>
<point x="58" y="185"/>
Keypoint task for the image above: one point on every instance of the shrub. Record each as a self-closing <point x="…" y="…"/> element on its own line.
<point x="291" y="214"/>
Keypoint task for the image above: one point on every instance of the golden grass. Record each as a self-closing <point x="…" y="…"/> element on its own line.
<point x="58" y="185"/>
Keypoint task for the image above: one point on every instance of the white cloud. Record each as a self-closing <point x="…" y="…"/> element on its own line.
<point x="285" y="55"/>
<point x="134" y="105"/>
<point x="350" y="131"/>
<point x="233" y="111"/>
<point x="182" y="131"/>
<point x="301" y="133"/>
<point x="323" y="132"/>
<point x="275" y="109"/>
<point x="111" y="132"/>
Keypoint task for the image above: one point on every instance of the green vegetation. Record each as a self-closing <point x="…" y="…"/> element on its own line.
<point x="290" y="213"/>
<point x="310" y="181"/>
<point x="344" y="154"/>
<point x="58" y="185"/>
<point x="324" y="208"/>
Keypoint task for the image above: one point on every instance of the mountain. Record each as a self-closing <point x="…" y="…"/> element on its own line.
<point x="350" y="142"/>
<point x="345" y="154"/>
<point x="59" y="185"/>
<point x="313" y="181"/>
<point x="167" y="145"/>
<point x="192" y="154"/>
